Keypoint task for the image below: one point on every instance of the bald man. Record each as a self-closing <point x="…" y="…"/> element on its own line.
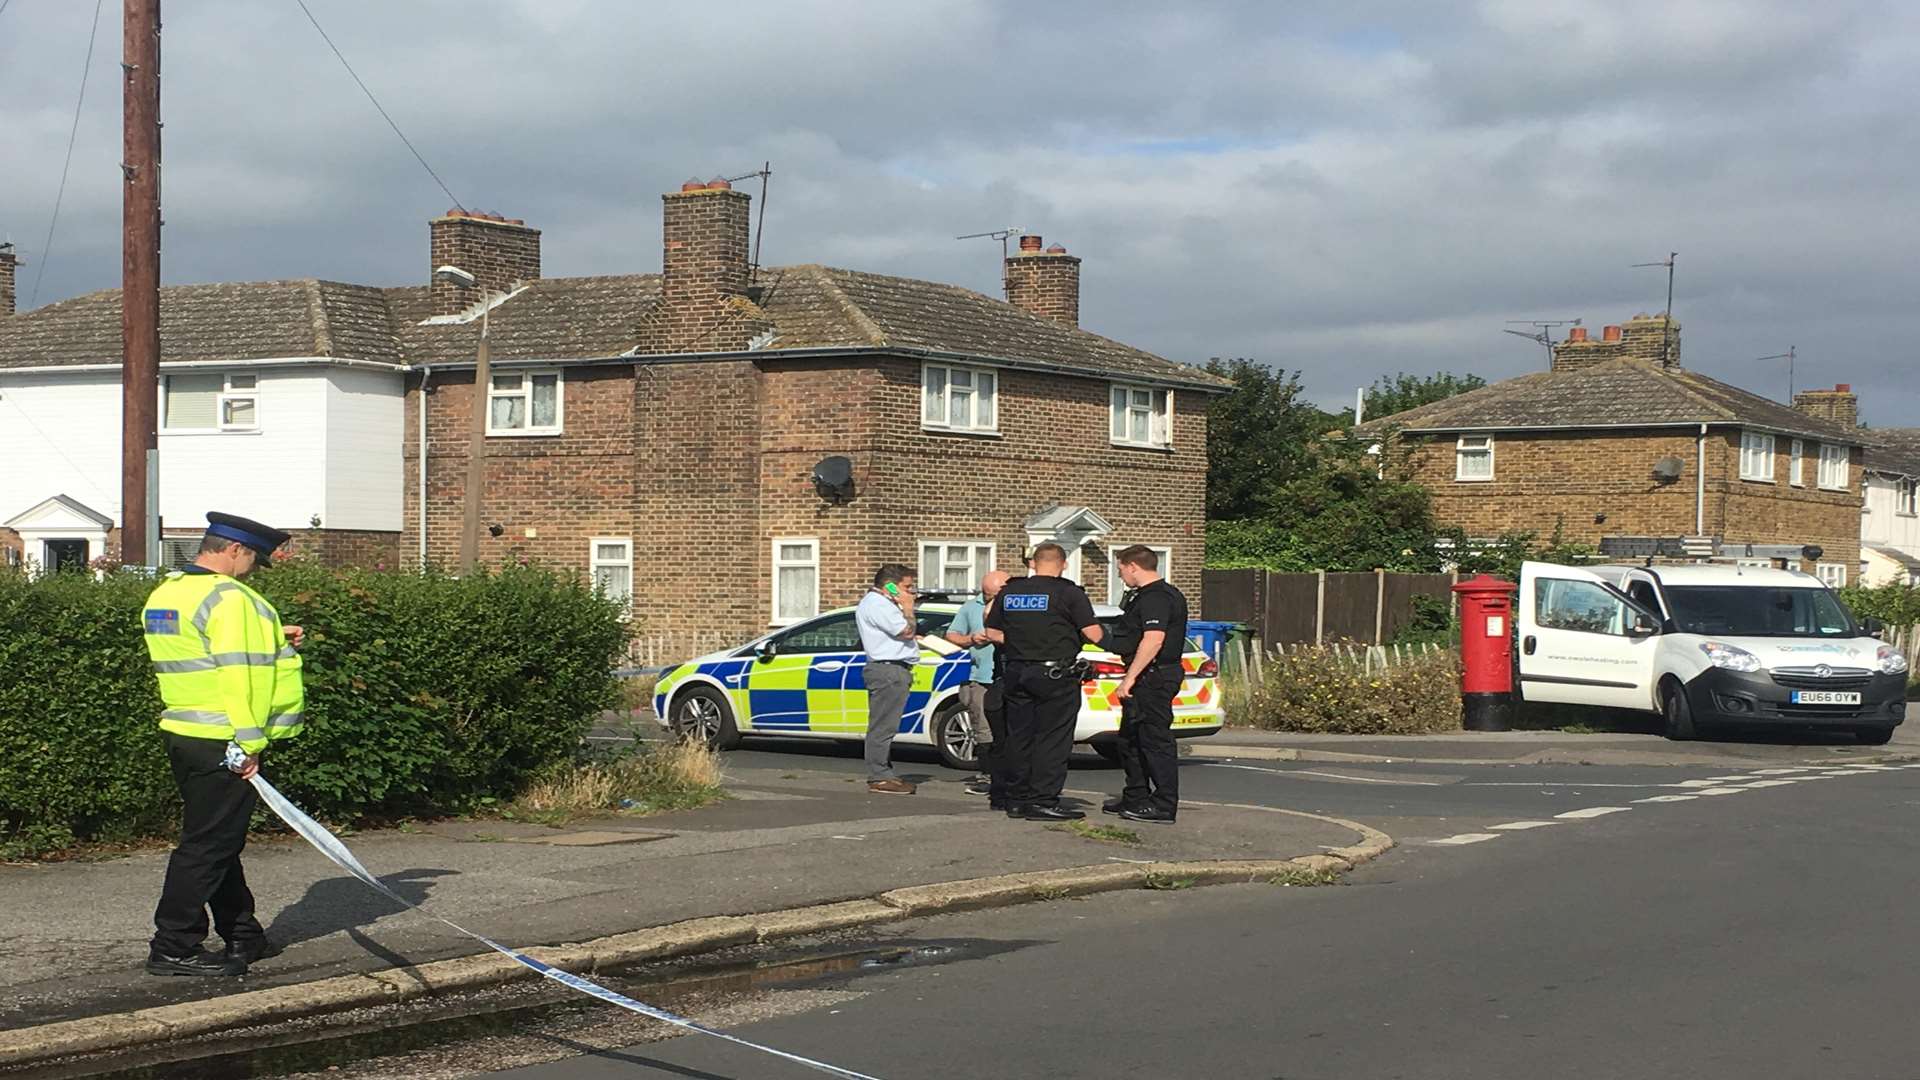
<point x="979" y="695"/>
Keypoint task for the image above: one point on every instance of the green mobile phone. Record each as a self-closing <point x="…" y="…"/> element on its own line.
<point x="892" y="589"/>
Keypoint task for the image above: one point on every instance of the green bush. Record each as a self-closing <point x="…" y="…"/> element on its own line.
<point x="1327" y="690"/>
<point x="424" y="692"/>
<point x="1896" y="605"/>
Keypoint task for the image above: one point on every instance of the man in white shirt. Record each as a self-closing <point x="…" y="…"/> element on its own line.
<point x="891" y="638"/>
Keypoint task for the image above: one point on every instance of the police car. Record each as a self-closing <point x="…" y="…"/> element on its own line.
<point x="808" y="680"/>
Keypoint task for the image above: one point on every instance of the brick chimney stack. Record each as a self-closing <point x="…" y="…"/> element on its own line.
<point x="704" y="273"/>
<point x="499" y="252"/>
<point x="9" y="264"/>
<point x="1045" y="282"/>
<point x="1643" y="337"/>
<point x="1840" y="404"/>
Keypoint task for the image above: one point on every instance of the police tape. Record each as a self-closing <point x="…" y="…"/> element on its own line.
<point x="330" y="846"/>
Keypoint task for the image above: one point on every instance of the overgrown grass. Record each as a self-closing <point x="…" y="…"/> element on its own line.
<point x="651" y="778"/>
<point x="1169" y="882"/>
<point x="1325" y="690"/>
<point x="1302" y="877"/>
<point x="1106" y="834"/>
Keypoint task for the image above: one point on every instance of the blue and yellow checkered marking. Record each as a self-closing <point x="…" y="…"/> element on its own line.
<point x="789" y="694"/>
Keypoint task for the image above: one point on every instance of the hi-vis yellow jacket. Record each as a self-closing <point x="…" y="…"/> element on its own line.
<point x="226" y="671"/>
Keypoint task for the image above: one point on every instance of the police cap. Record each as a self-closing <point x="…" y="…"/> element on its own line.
<point x="263" y="539"/>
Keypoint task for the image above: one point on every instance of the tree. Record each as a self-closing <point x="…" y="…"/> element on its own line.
<point x="1403" y="391"/>
<point x="1258" y="437"/>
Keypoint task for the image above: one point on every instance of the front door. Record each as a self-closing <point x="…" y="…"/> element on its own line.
<point x="1582" y="642"/>
<point x="64" y="555"/>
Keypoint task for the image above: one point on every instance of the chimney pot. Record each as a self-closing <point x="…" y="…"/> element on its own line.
<point x="1057" y="249"/>
<point x="719" y="183"/>
<point x="1030" y="242"/>
<point x="1610" y="333"/>
<point x="1843" y="388"/>
<point x="693" y="185"/>
<point x="1578" y="333"/>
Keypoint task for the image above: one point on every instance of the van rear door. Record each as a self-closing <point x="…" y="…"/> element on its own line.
<point x="1581" y="641"/>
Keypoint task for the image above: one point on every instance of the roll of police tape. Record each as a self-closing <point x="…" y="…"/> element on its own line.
<point x="330" y="846"/>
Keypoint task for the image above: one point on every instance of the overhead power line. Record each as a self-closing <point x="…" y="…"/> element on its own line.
<point x="86" y="69"/>
<point x="376" y="104"/>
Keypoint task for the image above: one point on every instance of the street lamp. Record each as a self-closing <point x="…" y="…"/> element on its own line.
<point x="476" y="467"/>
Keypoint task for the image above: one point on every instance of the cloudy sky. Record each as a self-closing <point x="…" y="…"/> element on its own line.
<point x="1341" y="189"/>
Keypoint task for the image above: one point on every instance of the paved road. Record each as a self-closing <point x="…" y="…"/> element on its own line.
<point x="1659" y="922"/>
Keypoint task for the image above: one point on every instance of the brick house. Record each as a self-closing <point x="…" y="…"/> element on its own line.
<point x="663" y="431"/>
<point x="1618" y="446"/>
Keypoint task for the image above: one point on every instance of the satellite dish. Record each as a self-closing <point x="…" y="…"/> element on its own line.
<point x="1668" y="469"/>
<point x="833" y="479"/>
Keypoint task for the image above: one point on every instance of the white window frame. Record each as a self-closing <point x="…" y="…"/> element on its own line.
<point x="1906" y="496"/>
<point x="1756" y="456"/>
<point x="527" y="375"/>
<point x="1796" y="461"/>
<point x="1122" y="403"/>
<point x="1460" y="452"/>
<point x="595" y="562"/>
<point x="1839" y="456"/>
<point x="975" y="570"/>
<point x="1833" y="574"/>
<point x="979" y="378"/>
<point x="774" y="618"/>
<point x="1117" y="588"/>
<point x="228" y="395"/>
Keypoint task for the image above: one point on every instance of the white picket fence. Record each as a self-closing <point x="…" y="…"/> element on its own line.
<point x="646" y="651"/>
<point x="1248" y="660"/>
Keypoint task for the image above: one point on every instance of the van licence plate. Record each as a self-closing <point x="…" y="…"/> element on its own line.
<point x="1826" y="697"/>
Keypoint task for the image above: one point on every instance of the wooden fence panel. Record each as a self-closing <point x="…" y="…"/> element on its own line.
<point x="1291" y="603"/>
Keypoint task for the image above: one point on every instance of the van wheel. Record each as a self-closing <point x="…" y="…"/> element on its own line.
<point x="953" y="737"/>
<point x="702" y="714"/>
<point x="1675" y="710"/>
<point x="1873" y="736"/>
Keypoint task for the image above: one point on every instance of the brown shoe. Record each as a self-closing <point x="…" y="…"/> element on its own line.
<point x="889" y="787"/>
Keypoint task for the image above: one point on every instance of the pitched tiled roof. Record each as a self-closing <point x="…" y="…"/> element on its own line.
<point x="1895" y="450"/>
<point x="1618" y="393"/>
<point x="812" y="307"/>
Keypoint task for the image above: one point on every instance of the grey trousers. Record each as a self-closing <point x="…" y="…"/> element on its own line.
<point x="887" y="686"/>
<point x="973" y="698"/>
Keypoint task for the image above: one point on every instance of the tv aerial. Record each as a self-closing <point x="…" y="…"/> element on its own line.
<point x="1542" y="331"/>
<point x="1001" y="235"/>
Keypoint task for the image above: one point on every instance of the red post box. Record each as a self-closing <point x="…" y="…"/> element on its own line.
<point x="1486" y="652"/>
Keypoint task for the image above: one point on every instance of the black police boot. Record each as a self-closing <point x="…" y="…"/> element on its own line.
<point x="197" y="962"/>
<point x="255" y="950"/>
<point x="1050" y="813"/>
<point x="1115" y="805"/>
<point x="1152" y="814"/>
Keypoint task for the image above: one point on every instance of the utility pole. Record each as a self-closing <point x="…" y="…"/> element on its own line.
<point x="139" y="280"/>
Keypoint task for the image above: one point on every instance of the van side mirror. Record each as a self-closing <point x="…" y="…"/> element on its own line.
<point x="1874" y="627"/>
<point x="1642" y="626"/>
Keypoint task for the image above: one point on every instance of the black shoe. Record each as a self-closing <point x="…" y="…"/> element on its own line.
<point x="1114" y="805"/>
<point x="197" y="962"/>
<point x="1148" y="813"/>
<point x="1001" y="805"/>
<point x="256" y="950"/>
<point x="979" y="787"/>
<point x="1050" y="813"/>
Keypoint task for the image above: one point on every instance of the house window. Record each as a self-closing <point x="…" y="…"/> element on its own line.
<point x="796" y="579"/>
<point x="1833" y="573"/>
<point x="1141" y="416"/>
<point x="524" y="403"/>
<point x="612" y="563"/>
<point x="1833" y="467"/>
<point x="210" y="402"/>
<point x="178" y="552"/>
<point x="1903" y="498"/>
<point x="1756" y="456"/>
<point x="959" y="399"/>
<point x="1794" y="473"/>
<point x="1117" y="588"/>
<point x="954" y="564"/>
<point x="1473" y="458"/>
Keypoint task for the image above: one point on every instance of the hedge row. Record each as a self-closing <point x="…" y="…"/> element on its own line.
<point x="1328" y="690"/>
<point x="424" y="692"/>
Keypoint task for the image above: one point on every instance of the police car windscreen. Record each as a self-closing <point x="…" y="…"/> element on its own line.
<point x="1747" y="611"/>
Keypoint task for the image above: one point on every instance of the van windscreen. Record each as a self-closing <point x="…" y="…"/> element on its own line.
<point x="1748" y="611"/>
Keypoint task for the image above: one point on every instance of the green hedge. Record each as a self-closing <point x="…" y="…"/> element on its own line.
<point x="1896" y="605"/>
<point x="424" y="692"/>
<point x="1330" y="690"/>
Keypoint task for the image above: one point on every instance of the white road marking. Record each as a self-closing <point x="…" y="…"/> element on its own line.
<point x="1594" y="811"/>
<point x="1467" y="838"/>
<point x="1779" y="772"/>
<point x="1769" y="783"/>
<point x="1843" y="773"/>
<point x="1555" y="784"/>
<point x="1723" y="779"/>
<point x="1136" y="862"/>
<point x="1718" y="791"/>
<point x="1312" y="772"/>
<point x="1517" y="825"/>
<point x="1698" y="783"/>
<point x="1668" y="798"/>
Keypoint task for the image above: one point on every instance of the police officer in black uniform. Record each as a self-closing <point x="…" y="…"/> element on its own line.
<point x="1039" y="623"/>
<point x="1152" y="640"/>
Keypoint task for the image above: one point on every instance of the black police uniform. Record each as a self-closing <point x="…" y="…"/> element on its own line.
<point x="1147" y="750"/>
<point x="1041" y="617"/>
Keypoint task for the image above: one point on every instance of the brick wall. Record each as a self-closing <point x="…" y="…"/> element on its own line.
<point x="1545" y="481"/>
<point x="1643" y="337"/>
<point x="10" y="542"/>
<point x="703" y="274"/>
<point x="1046" y="283"/>
<point x="9" y="266"/>
<point x="497" y="251"/>
<point x="372" y="549"/>
<point x="1839" y="404"/>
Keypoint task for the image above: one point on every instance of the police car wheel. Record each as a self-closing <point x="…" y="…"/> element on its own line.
<point x="953" y="737"/>
<point x="701" y="713"/>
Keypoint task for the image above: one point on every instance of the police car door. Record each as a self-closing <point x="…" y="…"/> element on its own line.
<point x="1581" y="641"/>
<point x="801" y="689"/>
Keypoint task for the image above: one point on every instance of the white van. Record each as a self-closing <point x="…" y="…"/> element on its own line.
<point x="1706" y="645"/>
